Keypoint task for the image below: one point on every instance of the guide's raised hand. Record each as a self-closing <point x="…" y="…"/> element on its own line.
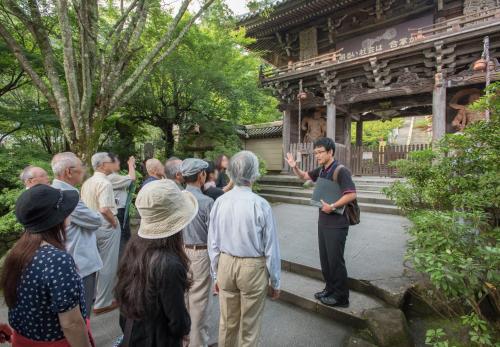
<point x="290" y="160"/>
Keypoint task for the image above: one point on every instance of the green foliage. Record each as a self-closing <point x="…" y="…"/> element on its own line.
<point x="209" y="83"/>
<point x="451" y="194"/>
<point x="373" y="131"/>
<point x="263" y="7"/>
<point x="435" y="338"/>
<point x="12" y="162"/>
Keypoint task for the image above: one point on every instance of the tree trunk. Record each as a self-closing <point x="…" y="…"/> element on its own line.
<point x="168" y="132"/>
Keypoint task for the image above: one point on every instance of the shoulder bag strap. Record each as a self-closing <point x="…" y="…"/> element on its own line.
<point x="336" y="172"/>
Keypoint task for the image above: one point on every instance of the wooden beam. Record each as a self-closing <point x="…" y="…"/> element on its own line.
<point x="331" y="115"/>
<point x="286" y="138"/>
<point x="439" y="108"/>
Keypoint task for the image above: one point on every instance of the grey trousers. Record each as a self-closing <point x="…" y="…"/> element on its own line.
<point x="89" y="286"/>
<point x="108" y="244"/>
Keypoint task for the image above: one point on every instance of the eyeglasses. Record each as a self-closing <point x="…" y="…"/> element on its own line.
<point x="319" y="152"/>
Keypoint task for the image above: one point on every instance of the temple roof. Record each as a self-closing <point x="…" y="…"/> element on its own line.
<point x="287" y="13"/>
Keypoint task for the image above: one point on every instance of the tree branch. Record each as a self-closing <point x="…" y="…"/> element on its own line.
<point x="88" y="50"/>
<point x="14" y="82"/>
<point x="41" y="36"/>
<point x="170" y="49"/>
<point x="117" y="98"/>
<point x="120" y="50"/>
<point x="26" y="65"/>
<point x="69" y="65"/>
<point x="4" y="136"/>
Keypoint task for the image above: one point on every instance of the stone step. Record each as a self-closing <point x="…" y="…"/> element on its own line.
<point x="360" y="186"/>
<point x="392" y="293"/>
<point x="363" y="196"/>
<point x="299" y="291"/>
<point x="364" y="207"/>
<point x="294" y="180"/>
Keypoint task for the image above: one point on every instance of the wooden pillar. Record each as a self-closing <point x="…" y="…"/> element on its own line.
<point x="438" y="108"/>
<point x="347" y="140"/>
<point x="359" y="133"/>
<point x="286" y="137"/>
<point x="331" y="113"/>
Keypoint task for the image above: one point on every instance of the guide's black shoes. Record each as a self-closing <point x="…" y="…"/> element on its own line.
<point x="321" y="294"/>
<point x="332" y="301"/>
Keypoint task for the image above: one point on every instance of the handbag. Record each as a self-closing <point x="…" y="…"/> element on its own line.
<point x="352" y="210"/>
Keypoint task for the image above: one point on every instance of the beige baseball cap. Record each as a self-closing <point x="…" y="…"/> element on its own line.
<point x="164" y="208"/>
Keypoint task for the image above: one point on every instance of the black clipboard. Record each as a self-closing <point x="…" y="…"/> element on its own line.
<point x="329" y="191"/>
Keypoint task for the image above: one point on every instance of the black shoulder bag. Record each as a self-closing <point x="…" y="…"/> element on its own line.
<point x="351" y="209"/>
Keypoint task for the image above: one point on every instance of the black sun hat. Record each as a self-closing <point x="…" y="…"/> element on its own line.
<point x="42" y="207"/>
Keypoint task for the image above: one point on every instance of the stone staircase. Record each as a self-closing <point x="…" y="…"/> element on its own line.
<point x="291" y="190"/>
<point x="299" y="283"/>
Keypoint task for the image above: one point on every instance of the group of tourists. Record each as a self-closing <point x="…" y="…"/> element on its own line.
<point x="203" y="232"/>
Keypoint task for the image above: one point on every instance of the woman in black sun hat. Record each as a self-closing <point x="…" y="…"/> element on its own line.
<point x="42" y="289"/>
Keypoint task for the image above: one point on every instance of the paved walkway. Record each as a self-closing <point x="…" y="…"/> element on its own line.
<point x="374" y="249"/>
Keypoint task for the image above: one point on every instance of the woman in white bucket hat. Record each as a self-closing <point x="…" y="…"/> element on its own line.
<point x="152" y="277"/>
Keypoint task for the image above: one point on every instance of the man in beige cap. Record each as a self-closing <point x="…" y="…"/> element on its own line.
<point x="195" y="244"/>
<point x="97" y="194"/>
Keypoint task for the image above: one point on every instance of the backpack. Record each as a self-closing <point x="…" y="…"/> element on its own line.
<point x="351" y="209"/>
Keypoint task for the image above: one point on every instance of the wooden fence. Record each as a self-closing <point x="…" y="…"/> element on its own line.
<point x="364" y="160"/>
<point x="308" y="162"/>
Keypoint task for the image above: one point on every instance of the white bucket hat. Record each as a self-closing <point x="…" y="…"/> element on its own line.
<point x="164" y="208"/>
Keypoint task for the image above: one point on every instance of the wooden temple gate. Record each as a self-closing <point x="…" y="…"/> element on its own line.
<point x="334" y="65"/>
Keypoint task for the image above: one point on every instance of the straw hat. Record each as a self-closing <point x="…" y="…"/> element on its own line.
<point x="164" y="208"/>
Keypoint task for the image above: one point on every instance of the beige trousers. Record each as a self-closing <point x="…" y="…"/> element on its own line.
<point x="198" y="297"/>
<point x="242" y="292"/>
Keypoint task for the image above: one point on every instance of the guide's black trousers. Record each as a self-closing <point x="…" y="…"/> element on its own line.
<point x="331" y="255"/>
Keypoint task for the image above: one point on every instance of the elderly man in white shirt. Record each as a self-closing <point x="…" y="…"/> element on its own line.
<point x="80" y="233"/>
<point x="244" y="254"/>
<point x="97" y="194"/>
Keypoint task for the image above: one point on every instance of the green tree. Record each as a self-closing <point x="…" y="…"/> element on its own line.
<point x="209" y="83"/>
<point x="373" y="131"/>
<point x="86" y="48"/>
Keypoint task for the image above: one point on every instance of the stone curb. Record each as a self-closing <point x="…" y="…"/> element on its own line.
<point x="396" y="300"/>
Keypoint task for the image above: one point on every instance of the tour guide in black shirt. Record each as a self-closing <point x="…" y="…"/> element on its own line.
<point x="332" y="227"/>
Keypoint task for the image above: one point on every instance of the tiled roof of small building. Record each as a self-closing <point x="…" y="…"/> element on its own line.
<point x="261" y="131"/>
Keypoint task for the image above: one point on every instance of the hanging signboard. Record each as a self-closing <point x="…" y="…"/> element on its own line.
<point x="388" y="38"/>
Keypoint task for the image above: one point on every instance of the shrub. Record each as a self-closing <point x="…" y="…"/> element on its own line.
<point x="451" y="194"/>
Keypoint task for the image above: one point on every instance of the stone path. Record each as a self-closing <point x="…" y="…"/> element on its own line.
<point x="374" y="249"/>
<point x="374" y="252"/>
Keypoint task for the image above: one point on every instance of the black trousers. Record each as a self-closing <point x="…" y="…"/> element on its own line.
<point x="125" y="234"/>
<point x="331" y="255"/>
